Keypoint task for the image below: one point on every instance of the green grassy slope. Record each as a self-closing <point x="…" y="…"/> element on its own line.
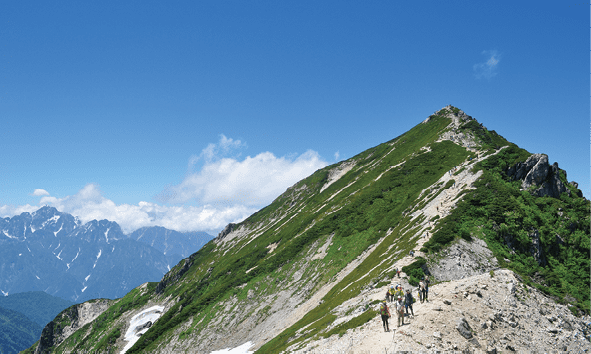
<point x="36" y="305"/>
<point x="368" y="209"/>
<point x="368" y="206"/>
<point x="506" y="217"/>
<point x="17" y="332"/>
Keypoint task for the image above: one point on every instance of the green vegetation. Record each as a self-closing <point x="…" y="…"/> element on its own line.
<point x="415" y="271"/>
<point x="509" y="219"/>
<point x="366" y="210"/>
<point x="352" y="323"/>
<point x="17" y="332"/>
<point x="40" y="307"/>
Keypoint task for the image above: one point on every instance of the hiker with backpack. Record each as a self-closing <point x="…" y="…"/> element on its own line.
<point x="408" y="301"/>
<point x="390" y="294"/>
<point x="399" y="292"/>
<point x="385" y="315"/>
<point x="400" y="311"/>
<point x="426" y="288"/>
<point x="422" y="293"/>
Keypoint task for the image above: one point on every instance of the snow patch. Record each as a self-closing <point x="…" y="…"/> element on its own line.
<point x="148" y="315"/>
<point x="84" y="288"/>
<point x="76" y="255"/>
<point x="53" y="218"/>
<point x="37" y="277"/>
<point x="55" y="232"/>
<point x="8" y="235"/>
<point x="58" y="256"/>
<point x="97" y="258"/>
<point x="33" y="229"/>
<point x="107" y="234"/>
<point x="20" y="254"/>
<point x="243" y="349"/>
<point x="5" y="293"/>
<point x="86" y="279"/>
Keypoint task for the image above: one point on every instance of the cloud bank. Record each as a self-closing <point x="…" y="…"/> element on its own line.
<point x="487" y="69"/>
<point x="222" y="190"/>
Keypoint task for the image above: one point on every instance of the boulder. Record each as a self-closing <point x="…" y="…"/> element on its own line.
<point x="464" y="328"/>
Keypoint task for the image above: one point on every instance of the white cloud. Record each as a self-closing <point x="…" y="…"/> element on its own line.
<point x="336" y="156"/>
<point x="253" y="181"/>
<point x="40" y="192"/>
<point x="10" y="210"/>
<point x="214" y="151"/>
<point x="487" y="69"/>
<point x="225" y="190"/>
<point x="89" y="204"/>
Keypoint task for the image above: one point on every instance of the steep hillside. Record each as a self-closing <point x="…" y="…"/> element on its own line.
<point x="304" y="270"/>
<point x="17" y="332"/>
<point x="36" y="305"/>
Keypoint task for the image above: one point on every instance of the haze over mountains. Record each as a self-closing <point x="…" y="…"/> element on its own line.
<point x="54" y="252"/>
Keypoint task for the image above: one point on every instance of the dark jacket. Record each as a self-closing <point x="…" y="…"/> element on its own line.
<point x="408" y="299"/>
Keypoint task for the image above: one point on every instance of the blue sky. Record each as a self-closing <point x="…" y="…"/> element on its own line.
<point x="194" y="114"/>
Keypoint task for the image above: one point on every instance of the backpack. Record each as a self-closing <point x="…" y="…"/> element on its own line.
<point x="383" y="311"/>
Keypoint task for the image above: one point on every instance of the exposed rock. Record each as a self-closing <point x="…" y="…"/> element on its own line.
<point x="172" y="277"/>
<point x="491" y="350"/>
<point x="463" y="259"/>
<point x="229" y="228"/>
<point x="74" y="317"/>
<point x="463" y="327"/>
<point x="536" y="249"/>
<point x="536" y="172"/>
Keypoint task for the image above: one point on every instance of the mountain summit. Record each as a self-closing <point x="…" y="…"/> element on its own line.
<point x="502" y="234"/>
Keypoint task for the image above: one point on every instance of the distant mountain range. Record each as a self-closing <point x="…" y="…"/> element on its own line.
<point x="54" y="252"/>
<point x="23" y="315"/>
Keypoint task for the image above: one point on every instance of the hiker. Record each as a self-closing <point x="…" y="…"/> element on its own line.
<point x="412" y="253"/>
<point x="408" y="300"/>
<point x="390" y="294"/>
<point x="385" y="315"/>
<point x="426" y="288"/>
<point x="400" y="311"/>
<point x="398" y="272"/>
<point x="422" y="291"/>
<point x="400" y="291"/>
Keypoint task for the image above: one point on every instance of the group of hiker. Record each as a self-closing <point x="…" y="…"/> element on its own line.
<point x="402" y="302"/>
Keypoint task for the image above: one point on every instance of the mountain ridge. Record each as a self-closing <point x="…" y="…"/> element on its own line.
<point x="51" y="251"/>
<point x="313" y="264"/>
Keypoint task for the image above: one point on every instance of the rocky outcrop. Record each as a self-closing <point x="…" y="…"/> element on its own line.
<point x="539" y="177"/>
<point x="173" y="276"/>
<point x="461" y="260"/>
<point x="68" y="322"/>
<point x="229" y="228"/>
<point x="536" y="249"/>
